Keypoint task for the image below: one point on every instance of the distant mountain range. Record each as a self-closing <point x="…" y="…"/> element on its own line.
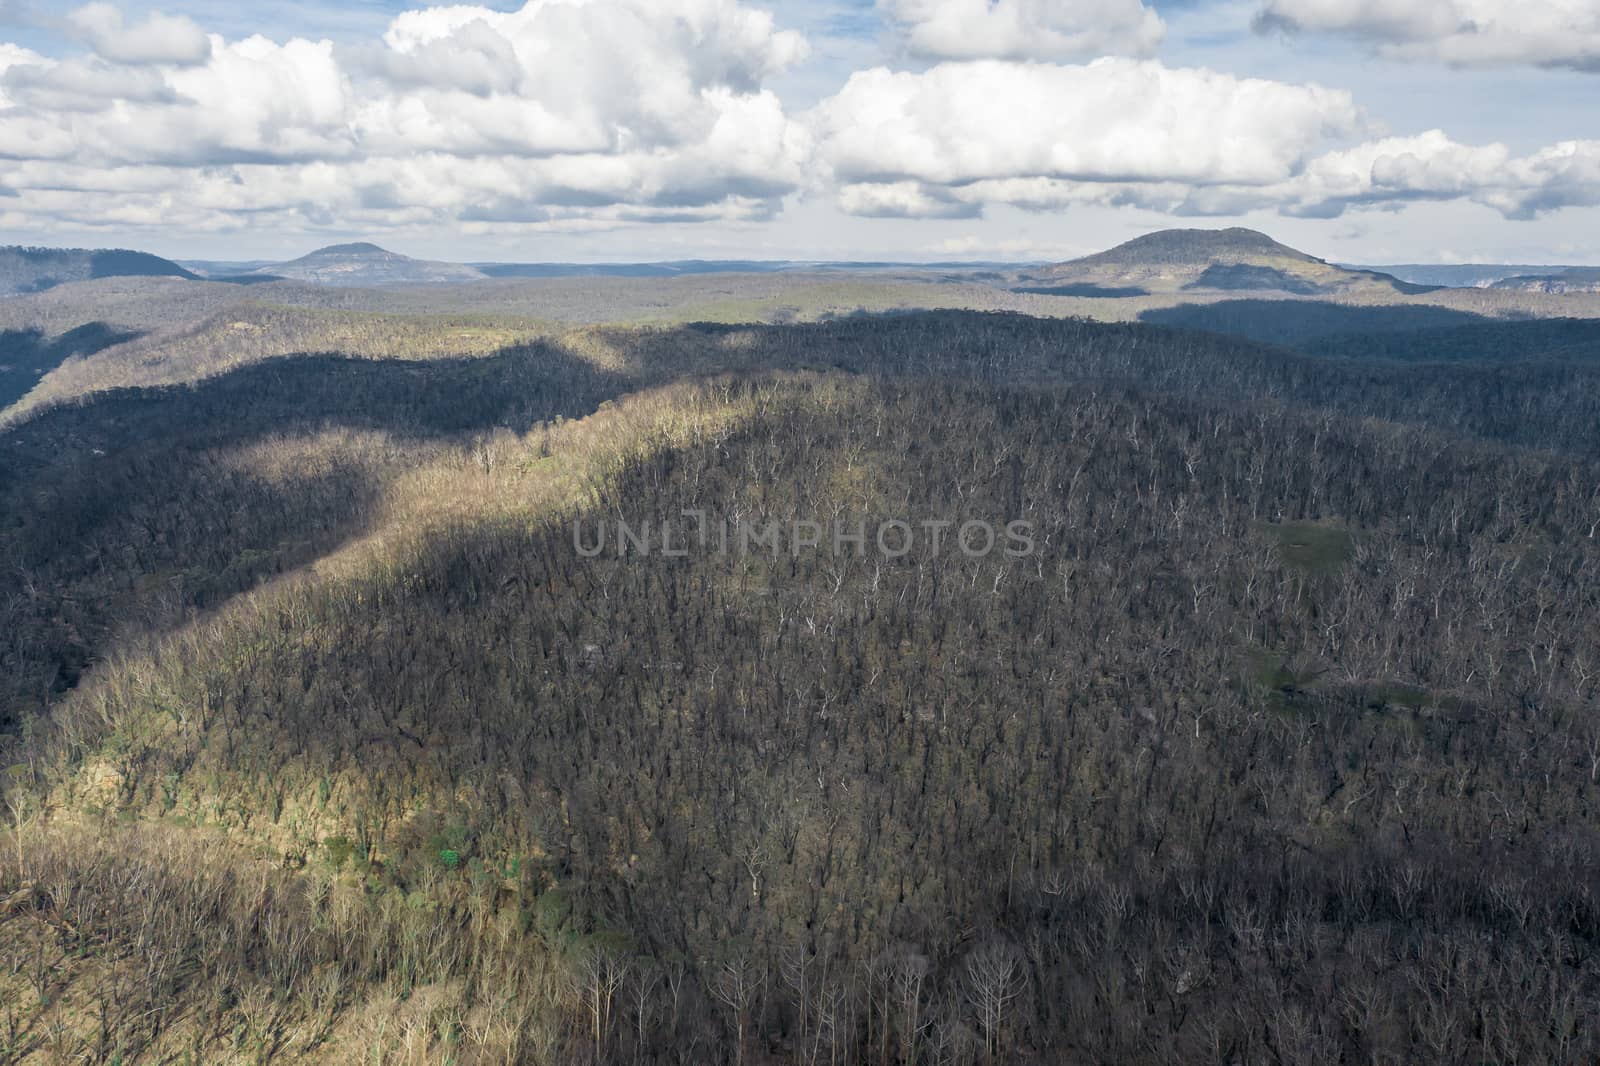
<point x="24" y="270"/>
<point x="1468" y="275"/>
<point x="1190" y="260"/>
<point x="1165" y="262"/>
<point x="689" y="267"/>
<point x="368" y="265"/>
<point x="364" y="264"/>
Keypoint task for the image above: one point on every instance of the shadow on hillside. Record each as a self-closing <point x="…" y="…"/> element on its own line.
<point x="123" y="263"/>
<point x="134" y="507"/>
<point x="1245" y="276"/>
<point x="135" y="496"/>
<point x="26" y="355"/>
<point x="89" y="442"/>
<point x="1293" y="322"/>
<point x="516" y="386"/>
<point x="1488" y="341"/>
<point x="130" y="509"/>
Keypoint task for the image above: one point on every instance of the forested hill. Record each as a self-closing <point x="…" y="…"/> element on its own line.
<point x="326" y="744"/>
<point x="1190" y="260"/>
<point x="37" y="269"/>
<point x="363" y="263"/>
<point x="1194" y="247"/>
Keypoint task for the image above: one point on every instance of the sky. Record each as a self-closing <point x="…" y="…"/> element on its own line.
<point x="1368" y="131"/>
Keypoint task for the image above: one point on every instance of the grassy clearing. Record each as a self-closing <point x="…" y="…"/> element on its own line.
<point x="1314" y="548"/>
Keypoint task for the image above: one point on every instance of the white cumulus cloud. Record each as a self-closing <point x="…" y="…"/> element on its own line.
<point x="1024" y="29"/>
<point x="949" y="141"/>
<point x="157" y="39"/>
<point x="909" y="143"/>
<point x="563" y="110"/>
<point x="1548" y="33"/>
<point x="593" y="113"/>
<point x="1429" y="166"/>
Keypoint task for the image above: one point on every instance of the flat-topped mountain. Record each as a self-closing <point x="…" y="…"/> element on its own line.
<point x="1193" y="247"/>
<point x="364" y="264"/>
<point x="1226" y="260"/>
<point x="37" y="269"/>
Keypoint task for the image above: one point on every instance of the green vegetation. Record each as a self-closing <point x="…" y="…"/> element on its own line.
<point x="1309" y="546"/>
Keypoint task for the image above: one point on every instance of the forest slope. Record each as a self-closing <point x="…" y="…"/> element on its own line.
<point x="1279" y="746"/>
<point x="155" y="331"/>
<point x="24" y="270"/>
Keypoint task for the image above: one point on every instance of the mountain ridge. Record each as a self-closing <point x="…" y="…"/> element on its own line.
<point x="26" y="269"/>
<point x="1572" y="279"/>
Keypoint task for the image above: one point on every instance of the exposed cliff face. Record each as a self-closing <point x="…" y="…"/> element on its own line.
<point x="1573" y="279"/>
